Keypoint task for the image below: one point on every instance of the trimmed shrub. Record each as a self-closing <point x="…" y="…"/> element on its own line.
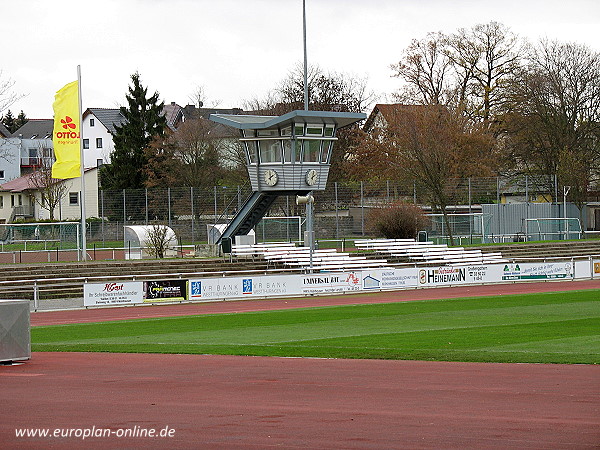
<point x="397" y="221"/>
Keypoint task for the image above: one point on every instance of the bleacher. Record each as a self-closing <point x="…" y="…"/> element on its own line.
<point x="427" y="253"/>
<point x="288" y="255"/>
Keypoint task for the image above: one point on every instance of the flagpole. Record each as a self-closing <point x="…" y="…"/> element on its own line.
<point x="82" y="172"/>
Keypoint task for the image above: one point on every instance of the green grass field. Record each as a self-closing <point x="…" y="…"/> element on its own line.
<point x="541" y="328"/>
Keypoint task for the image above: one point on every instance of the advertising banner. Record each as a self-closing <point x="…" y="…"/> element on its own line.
<point x="165" y="291"/>
<point x="105" y="294"/>
<point x="537" y="271"/>
<point x="264" y="286"/>
<point x="596" y="268"/>
<point x="330" y="283"/>
<point x="244" y="287"/>
<point x="459" y="275"/>
<point x="380" y="279"/>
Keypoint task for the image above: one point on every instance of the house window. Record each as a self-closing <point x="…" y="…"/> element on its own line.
<point x="20" y="200"/>
<point x="12" y="201"/>
<point x="98" y="142"/>
<point x="86" y="143"/>
<point x="1" y="174"/>
<point x="92" y="122"/>
<point x="1" y="202"/>
<point x="73" y="198"/>
<point x="99" y="162"/>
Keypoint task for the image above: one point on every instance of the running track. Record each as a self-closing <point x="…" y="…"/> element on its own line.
<point x="227" y="402"/>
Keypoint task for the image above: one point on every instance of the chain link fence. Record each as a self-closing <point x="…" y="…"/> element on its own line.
<point x="341" y="211"/>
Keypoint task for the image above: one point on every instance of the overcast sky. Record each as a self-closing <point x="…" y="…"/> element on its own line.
<point x="239" y="49"/>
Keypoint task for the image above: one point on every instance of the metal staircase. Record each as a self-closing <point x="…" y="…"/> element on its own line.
<point x="252" y="212"/>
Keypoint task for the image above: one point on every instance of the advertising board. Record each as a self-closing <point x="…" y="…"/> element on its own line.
<point x="273" y="285"/>
<point x="389" y="279"/>
<point x="244" y="287"/>
<point x="596" y="265"/>
<point x="165" y="291"/>
<point x="112" y="294"/>
<point x="459" y="275"/>
<point x="538" y="271"/>
<point x="330" y="283"/>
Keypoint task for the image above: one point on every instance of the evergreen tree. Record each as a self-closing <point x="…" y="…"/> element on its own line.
<point x="21" y="120"/>
<point x="143" y="123"/>
<point x="9" y="121"/>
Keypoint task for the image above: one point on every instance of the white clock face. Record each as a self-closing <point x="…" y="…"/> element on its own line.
<point x="312" y="177"/>
<point x="271" y="177"/>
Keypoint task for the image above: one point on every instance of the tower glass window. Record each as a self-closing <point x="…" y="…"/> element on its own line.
<point x="270" y="151"/>
<point x="251" y="152"/>
<point x="311" y="150"/>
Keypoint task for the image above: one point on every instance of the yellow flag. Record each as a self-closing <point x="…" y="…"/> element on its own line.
<point x="66" y="132"/>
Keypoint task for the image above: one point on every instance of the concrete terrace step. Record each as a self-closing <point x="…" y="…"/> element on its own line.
<point x="120" y="268"/>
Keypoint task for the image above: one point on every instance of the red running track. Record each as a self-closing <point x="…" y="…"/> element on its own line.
<point x="230" y="402"/>
<point x="185" y="309"/>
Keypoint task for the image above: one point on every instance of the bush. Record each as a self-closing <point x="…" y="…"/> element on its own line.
<point x="397" y="221"/>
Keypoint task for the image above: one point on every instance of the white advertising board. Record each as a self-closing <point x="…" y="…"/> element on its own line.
<point x="330" y="283"/>
<point x="538" y="271"/>
<point x="460" y="275"/>
<point x="584" y="269"/>
<point x="107" y="294"/>
<point x="244" y="287"/>
<point x="389" y="279"/>
<point x="273" y="285"/>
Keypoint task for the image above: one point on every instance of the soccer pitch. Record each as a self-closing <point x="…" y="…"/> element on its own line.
<point x="559" y="327"/>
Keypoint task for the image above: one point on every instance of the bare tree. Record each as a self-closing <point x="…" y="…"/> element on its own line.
<point x="430" y="144"/>
<point x="200" y="154"/>
<point x="51" y="190"/>
<point x="157" y="240"/>
<point x="198" y="98"/>
<point x="427" y="71"/>
<point x="5" y="150"/>
<point x="7" y="95"/>
<point x="554" y="122"/>
<point x="466" y="71"/>
<point x="484" y="57"/>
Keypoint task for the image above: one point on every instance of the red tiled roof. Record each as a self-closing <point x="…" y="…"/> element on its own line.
<point x="18" y="184"/>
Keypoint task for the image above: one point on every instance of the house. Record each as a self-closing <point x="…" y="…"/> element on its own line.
<point x="382" y="115"/>
<point x="98" y="129"/>
<point x="20" y="156"/>
<point x="20" y="199"/>
<point x="4" y="132"/>
<point x="36" y="129"/>
<point x="174" y="114"/>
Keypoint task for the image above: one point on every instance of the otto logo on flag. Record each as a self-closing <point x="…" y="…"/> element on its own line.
<point x="68" y="124"/>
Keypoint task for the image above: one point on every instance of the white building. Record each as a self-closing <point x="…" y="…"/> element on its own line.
<point x="20" y="199"/>
<point x="98" y="129"/>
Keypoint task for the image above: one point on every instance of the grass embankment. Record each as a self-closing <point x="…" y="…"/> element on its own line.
<point x="546" y="328"/>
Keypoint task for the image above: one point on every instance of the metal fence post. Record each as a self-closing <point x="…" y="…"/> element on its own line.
<point x="35" y="296"/>
<point x="362" y="209"/>
<point x="470" y="214"/>
<point x="387" y="185"/>
<point x="415" y="192"/>
<point x="169" y="204"/>
<point x="102" y="216"/>
<point x="215" y="194"/>
<point x="146" y="204"/>
<point x="337" y="212"/>
<point x="526" y="207"/>
<point x="499" y="206"/>
<point x="192" y="208"/>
